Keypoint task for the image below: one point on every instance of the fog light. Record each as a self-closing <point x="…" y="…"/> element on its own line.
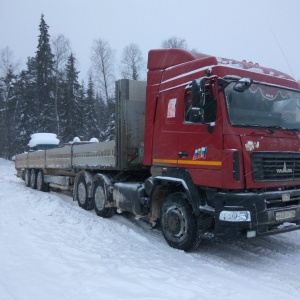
<point x="235" y="216"/>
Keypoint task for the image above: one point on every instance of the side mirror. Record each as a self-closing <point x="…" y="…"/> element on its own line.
<point x="202" y="85"/>
<point x="195" y="115"/>
<point x="243" y="84"/>
<point x="202" y="92"/>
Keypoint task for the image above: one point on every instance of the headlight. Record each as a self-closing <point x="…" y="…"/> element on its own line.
<point x="235" y="216"/>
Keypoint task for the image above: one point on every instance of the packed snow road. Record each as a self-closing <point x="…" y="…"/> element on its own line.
<point x="52" y="249"/>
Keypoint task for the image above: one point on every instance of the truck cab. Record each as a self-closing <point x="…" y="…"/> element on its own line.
<point x="225" y="137"/>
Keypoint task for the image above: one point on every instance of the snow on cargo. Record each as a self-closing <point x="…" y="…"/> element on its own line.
<point x="77" y="140"/>
<point x="94" y="140"/>
<point x="48" y="140"/>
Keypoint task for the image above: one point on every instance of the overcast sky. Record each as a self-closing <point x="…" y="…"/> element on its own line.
<point x="263" y="31"/>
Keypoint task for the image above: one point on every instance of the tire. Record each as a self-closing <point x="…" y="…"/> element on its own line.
<point x="41" y="185"/>
<point x="100" y="199"/>
<point x="178" y="223"/>
<point x="27" y="177"/>
<point x="33" y="175"/>
<point x="23" y="175"/>
<point x="82" y="194"/>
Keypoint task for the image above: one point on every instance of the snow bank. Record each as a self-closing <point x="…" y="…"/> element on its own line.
<point x="43" y="139"/>
<point x="53" y="250"/>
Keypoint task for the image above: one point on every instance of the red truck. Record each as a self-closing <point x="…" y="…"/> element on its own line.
<point x="219" y="156"/>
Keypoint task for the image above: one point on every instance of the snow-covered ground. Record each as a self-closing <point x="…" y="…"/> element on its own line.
<point x="51" y="249"/>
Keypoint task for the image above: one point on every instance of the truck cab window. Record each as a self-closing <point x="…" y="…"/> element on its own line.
<point x="199" y="106"/>
<point x="264" y="106"/>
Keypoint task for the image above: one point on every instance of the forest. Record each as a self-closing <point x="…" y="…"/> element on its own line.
<point x="47" y="96"/>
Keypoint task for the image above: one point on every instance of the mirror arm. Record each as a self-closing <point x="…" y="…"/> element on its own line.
<point x="211" y="126"/>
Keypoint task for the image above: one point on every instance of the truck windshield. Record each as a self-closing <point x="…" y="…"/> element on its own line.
<point x="263" y="106"/>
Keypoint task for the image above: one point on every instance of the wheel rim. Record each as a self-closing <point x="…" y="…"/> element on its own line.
<point x="99" y="198"/>
<point x="81" y="192"/>
<point x="175" y="222"/>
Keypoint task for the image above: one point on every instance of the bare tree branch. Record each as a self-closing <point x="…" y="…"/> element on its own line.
<point x="7" y="62"/>
<point x="61" y="49"/>
<point x="174" y="42"/>
<point x="102" y="57"/>
<point x="132" y="62"/>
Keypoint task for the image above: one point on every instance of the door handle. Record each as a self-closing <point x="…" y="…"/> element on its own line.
<point x="182" y="154"/>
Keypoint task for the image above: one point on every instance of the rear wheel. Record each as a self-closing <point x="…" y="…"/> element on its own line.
<point x="82" y="194"/>
<point x="23" y="175"/>
<point x="40" y="183"/>
<point x="101" y="199"/>
<point x="33" y="178"/>
<point x="178" y="223"/>
<point x="27" y="177"/>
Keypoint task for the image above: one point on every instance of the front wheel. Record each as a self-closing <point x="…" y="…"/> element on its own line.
<point x="178" y="223"/>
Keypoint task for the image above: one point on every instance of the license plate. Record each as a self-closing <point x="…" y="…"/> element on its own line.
<point x="282" y="215"/>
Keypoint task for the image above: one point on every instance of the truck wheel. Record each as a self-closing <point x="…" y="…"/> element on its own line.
<point x="27" y="177"/>
<point x="179" y="224"/>
<point x="100" y="199"/>
<point x="23" y="175"/>
<point x="82" y="194"/>
<point x="33" y="178"/>
<point x="41" y="185"/>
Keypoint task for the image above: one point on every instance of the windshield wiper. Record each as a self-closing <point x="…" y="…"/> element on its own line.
<point x="290" y="130"/>
<point x="271" y="129"/>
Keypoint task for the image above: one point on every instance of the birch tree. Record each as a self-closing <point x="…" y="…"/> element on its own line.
<point x="8" y="62"/>
<point x="61" y="50"/>
<point x="103" y="59"/>
<point x="132" y="62"/>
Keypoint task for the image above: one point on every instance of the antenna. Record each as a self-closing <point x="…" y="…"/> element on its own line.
<point x="282" y="52"/>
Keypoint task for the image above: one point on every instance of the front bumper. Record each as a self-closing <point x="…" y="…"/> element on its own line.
<point x="271" y="213"/>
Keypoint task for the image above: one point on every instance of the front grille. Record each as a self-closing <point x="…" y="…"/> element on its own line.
<point x="275" y="166"/>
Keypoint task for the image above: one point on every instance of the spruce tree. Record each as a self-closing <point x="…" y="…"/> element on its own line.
<point x="102" y="116"/>
<point x="72" y="110"/>
<point x="90" y="120"/>
<point x="45" y="110"/>
<point x="81" y="109"/>
<point x="59" y="101"/>
<point x="109" y="133"/>
<point x="2" y="116"/>
<point x="7" y="109"/>
<point x="26" y="99"/>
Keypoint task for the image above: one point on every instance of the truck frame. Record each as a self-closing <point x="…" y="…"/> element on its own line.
<point x="207" y="148"/>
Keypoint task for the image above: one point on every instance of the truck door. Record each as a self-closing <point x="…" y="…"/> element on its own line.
<point x="200" y="133"/>
<point x="166" y="129"/>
